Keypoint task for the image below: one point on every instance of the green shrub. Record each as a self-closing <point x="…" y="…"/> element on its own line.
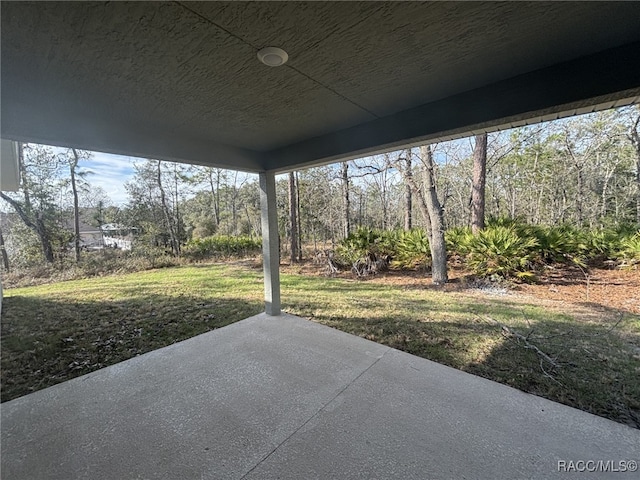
<point x="602" y="244"/>
<point x="412" y="250"/>
<point x="388" y="243"/>
<point x="629" y="253"/>
<point x="143" y="248"/>
<point x="222" y="246"/>
<point x="501" y="251"/>
<point x="366" y="243"/>
<point x="560" y="244"/>
<point x="457" y="240"/>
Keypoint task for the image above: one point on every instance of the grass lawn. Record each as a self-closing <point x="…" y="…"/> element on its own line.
<point x="55" y="332"/>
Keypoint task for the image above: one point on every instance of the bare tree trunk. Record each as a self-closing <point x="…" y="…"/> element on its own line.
<point x="216" y="205"/>
<point x="175" y="245"/>
<point x="536" y="219"/>
<point x="345" y="199"/>
<point x="176" y="205"/>
<point x="438" y="246"/>
<point x="3" y="251"/>
<point x="605" y="187"/>
<point x="23" y="177"/>
<point x="580" y="183"/>
<point x="384" y="203"/>
<point x="37" y="225"/>
<point x="76" y="209"/>
<point x="430" y="207"/>
<point x="634" y="136"/>
<point x="580" y="196"/>
<point x="293" y="218"/>
<point x="408" y="198"/>
<point x="215" y="194"/>
<point x="299" y="217"/>
<point x="422" y="203"/>
<point x="234" y="208"/>
<point x="479" y="183"/>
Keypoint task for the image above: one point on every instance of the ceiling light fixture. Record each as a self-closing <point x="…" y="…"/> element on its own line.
<point x="273" y="56"/>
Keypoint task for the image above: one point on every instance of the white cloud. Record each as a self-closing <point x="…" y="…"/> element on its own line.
<point x="110" y="172"/>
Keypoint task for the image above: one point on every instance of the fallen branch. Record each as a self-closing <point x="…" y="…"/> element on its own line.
<point x="548" y="375"/>
<point x="326" y="256"/>
<point x="331" y="265"/>
<point x="370" y="264"/>
<point x="509" y="332"/>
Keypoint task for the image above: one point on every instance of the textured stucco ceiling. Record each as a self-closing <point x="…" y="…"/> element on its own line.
<point x="181" y="81"/>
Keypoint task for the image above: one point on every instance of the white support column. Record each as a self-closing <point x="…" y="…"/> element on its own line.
<point x="270" y="243"/>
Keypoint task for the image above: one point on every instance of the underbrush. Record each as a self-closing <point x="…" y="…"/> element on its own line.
<point x="222" y="246"/>
<point x="108" y="261"/>
<point x="506" y="248"/>
<point x="629" y="253"/>
<point x="92" y="264"/>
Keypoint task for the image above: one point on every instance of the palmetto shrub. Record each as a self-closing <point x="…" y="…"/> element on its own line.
<point x="602" y="244"/>
<point x="554" y="243"/>
<point x="366" y="243"/>
<point x="457" y="240"/>
<point x="388" y="243"/>
<point x="507" y="222"/>
<point x="629" y="253"/>
<point x="506" y="248"/>
<point x="501" y="251"/>
<point x="412" y="249"/>
<point x="562" y="243"/>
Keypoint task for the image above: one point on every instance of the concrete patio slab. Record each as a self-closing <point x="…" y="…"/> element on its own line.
<point x="281" y="397"/>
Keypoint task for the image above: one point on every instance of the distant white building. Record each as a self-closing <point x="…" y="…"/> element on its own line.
<point x="117" y="236"/>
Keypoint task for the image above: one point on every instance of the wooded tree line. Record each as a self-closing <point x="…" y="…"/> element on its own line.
<point x="48" y="204"/>
<point x="581" y="171"/>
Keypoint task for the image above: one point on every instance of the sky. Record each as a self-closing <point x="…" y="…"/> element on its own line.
<point x="110" y="172"/>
